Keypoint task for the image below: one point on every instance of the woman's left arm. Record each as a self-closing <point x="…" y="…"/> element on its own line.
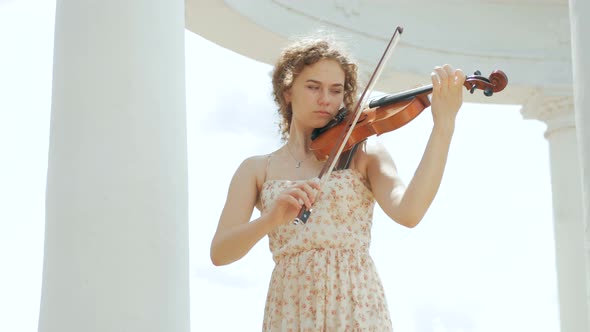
<point x="408" y="205"/>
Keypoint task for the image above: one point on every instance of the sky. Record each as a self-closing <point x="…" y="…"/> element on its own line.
<point x="481" y="260"/>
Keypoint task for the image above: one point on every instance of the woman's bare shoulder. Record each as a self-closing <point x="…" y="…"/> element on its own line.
<point x="254" y="167"/>
<point x="374" y="147"/>
<point x="255" y="161"/>
<point x="367" y="150"/>
<point x="371" y="154"/>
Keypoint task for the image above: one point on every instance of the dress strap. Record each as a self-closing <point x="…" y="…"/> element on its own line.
<point x="266" y="168"/>
<point x="258" y="201"/>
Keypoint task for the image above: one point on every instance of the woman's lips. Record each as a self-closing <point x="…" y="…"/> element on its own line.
<point x="324" y="113"/>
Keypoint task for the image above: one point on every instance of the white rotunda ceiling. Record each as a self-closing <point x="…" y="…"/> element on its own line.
<point x="528" y="40"/>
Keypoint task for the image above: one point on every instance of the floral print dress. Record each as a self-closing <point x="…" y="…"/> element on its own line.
<point x="324" y="278"/>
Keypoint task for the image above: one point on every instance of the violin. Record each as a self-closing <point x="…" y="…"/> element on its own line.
<point x="391" y="112"/>
<point x="382" y="115"/>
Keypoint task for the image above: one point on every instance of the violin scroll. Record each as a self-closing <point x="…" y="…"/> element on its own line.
<point x="495" y="83"/>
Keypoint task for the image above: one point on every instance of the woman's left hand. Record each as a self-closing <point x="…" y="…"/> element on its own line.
<point x="447" y="93"/>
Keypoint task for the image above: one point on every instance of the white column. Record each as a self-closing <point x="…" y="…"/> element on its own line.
<point x="579" y="27"/>
<point x="116" y="234"/>
<point x="555" y="108"/>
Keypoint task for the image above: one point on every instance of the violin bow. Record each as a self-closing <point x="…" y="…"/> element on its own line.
<point x="304" y="213"/>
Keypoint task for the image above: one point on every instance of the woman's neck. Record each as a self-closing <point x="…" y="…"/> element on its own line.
<point x="299" y="142"/>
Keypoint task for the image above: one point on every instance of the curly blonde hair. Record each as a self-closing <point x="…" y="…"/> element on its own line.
<point x="292" y="61"/>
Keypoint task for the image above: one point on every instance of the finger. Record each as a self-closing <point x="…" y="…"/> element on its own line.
<point x="301" y="195"/>
<point x="460" y="77"/>
<point x="435" y="82"/>
<point x="450" y="71"/>
<point x="443" y="80"/>
<point x="290" y="200"/>
<point x="315" y="183"/>
<point x="295" y="202"/>
<point x="444" y="77"/>
<point x="311" y="192"/>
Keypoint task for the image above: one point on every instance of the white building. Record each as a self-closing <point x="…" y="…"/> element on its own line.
<point x="539" y="44"/>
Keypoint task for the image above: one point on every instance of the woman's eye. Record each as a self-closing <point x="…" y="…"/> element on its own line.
<point x="313" y="87"/>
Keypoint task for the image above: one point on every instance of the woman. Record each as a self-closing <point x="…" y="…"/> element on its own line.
<point x="324" y="278"/>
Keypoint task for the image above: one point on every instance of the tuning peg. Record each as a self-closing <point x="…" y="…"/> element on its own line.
<point x="488" y="92"/>
<point x="473" y="87"/>
<point x="477" y="73"/>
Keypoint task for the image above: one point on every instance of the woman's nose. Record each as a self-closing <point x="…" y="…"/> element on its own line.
<point x="324" y="97"/>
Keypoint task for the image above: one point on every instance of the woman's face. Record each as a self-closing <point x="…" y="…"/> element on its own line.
<point x="317" y="93"/>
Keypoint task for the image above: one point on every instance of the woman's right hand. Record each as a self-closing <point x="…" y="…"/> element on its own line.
<point x="287" y="205"/>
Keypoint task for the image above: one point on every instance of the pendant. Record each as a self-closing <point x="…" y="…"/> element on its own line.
<point x="298" y="164"/>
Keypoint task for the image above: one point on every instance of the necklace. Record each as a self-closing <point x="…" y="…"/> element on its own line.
<point x="297" y="162"/>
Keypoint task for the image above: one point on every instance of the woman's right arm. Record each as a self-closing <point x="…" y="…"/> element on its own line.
<point x="235" y="234"/>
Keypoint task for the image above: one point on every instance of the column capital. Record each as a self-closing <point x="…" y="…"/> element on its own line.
<point x="554" y="106"/>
